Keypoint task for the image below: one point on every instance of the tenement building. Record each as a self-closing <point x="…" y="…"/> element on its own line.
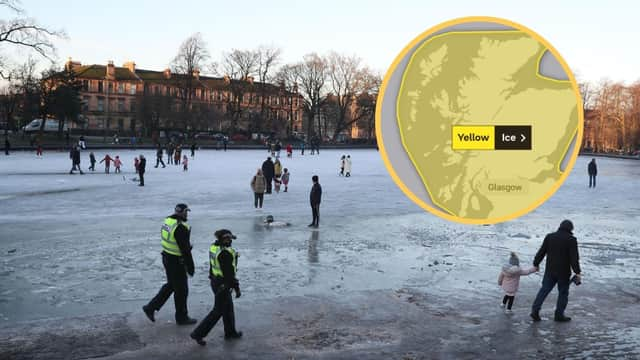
<point x="123" y="98"/>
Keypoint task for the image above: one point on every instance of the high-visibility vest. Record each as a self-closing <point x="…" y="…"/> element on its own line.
<point x="216" y="250"/>
<point x="169" y="243"/>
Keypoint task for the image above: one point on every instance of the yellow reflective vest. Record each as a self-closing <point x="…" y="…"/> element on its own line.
<point x="169" y="244"/>
<point x="214" y="252"/>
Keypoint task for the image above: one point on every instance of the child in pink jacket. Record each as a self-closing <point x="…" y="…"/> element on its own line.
<point x="509" y="279"/>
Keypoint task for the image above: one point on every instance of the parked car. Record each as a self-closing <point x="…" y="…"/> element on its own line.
<point x="51" y="125"/>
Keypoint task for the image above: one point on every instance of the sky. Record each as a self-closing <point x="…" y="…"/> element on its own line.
<point x="598" y="39"/>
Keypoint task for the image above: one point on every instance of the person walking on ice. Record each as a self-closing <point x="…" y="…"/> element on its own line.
<point x="258" y="185"/>
<point x="315" y="197"/>
<point x="185" y="162"/>
<point x="347" y="166"/>
<point x="178" y="262"/>
<point x="117" y="163"/>
<point x="223" y="266"/>
<point x="592" y="169"/>
<point x="92" y="161"/>
<point x="107" y="163"/>
<point x="561" y="250"/>
<point x="285" y="179"/>
<point x="342" y="161"/>
<point x="509" y="279"/>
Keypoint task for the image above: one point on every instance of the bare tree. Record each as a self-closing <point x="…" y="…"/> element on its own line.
<point x="312" y="74"/>
<point x="268" y="58"/>
<point x="288" y="77"/>
<point x="238" y="67"/>
<point x="191" y="57"/>
<point x="24" y="32"/>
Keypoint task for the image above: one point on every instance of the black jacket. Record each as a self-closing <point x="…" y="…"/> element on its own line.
<point x="229" y="275"/>
<point x="561" y="250"/>
<point x="159" y="152"/>
<point x="592" y="168"/>
<point x="142" y="165"/>
<point x="268" y="170"/>
<point x="75" y="156"/>
<point x="182" y="235"/>
<point x="316" y="194"/>
<point x="92" y="158"/>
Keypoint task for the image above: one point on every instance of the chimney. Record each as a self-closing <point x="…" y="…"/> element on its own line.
<point x="167" y="73"/>
<point x="227" y="80"/>
<point x="71" y="65"/>
<point x="196" y="74"/>
<point x="111" y="70"/>
<point x="130" y="65"/>
<point x="250" y="79"/>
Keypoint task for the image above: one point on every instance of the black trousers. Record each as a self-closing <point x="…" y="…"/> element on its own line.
<point x="257" y="199"/>
<point x="176" y="284"/>
<point x="141" y="174"/>
<point x="508" y="300"/>
<point x="222" y="308"/>
<point x="592" y="180"/>
<point x="268" y="181"/>
<point x="159" y="161"/>
<point x="315" y="212"/>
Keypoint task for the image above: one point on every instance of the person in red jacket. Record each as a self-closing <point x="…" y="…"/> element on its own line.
<point x="289" y="150"/>
<point x="107" y="163"/>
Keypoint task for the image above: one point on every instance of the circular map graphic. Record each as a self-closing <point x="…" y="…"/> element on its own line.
<point x="479" y="120"/>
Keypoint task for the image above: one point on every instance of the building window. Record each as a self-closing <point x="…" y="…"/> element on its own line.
<point x="120" y="124"/>
<point x="121" y="105"/>
<point x="132" y="89"/>
<point x="157" y="90"/>
<point x="100" y="102"/>
<point x="100" y="87"/>
<point x="132" y="104"/>
<point x="120" y="88"/>
<point x="85" y="85"/>
<point x="110" y="87"/>
<point x="168" y="91"/>
<point x="85" y="103"/>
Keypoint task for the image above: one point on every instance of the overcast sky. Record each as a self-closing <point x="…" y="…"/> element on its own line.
<point x="598" y="39"/>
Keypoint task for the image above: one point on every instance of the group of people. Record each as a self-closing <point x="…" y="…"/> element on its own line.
<point x="270" y="173"/>
<point x="139" y="163"/>
<point x="275" y="147"/>
<point x="561" y="250"/>
<point x="345" y="166"/>
<point x="178" y="263"/>
<point x="174" y="155"/>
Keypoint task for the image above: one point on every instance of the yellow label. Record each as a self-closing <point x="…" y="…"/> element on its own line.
<point x="472" y="137"/>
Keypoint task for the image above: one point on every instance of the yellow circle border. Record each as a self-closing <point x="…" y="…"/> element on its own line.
<point x="403" y="54"/>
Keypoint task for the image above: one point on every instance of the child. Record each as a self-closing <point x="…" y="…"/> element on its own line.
<point x="289" y="150"/>
<point x="185" y="162"/>
<point x="92" y="160"/>
<point x="117" y="163"/>
<point x="285" y="179"/>
<point x="107" y="163"/>
<point x="276" y="183"/>
<point x="509" y="279"/>
<point x="136" y="163"/>
<point x="347" y="166"/>
<point x="342" y="162"/>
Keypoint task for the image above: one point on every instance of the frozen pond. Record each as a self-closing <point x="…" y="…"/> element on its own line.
<point x="80" y="245"/>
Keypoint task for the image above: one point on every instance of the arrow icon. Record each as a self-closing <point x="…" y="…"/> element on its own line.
<point x="523" y="138"/>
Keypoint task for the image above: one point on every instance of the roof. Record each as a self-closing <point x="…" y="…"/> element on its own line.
<point x="100" y="72"/>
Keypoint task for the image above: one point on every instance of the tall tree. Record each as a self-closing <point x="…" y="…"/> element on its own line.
<point x="23" y="32"/>
<point x="312" y="74"/>
<point x="267" y="59"/>
<point x="66" y="98"/>
<point x="288" y="77"/>
<point x="186" y="66"/>
<point x="238" y="67"/>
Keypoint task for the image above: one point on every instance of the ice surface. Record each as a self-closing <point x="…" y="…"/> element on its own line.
<point x="89" y="244"/>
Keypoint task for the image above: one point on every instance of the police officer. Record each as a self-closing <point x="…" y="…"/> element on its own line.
<point x="223" y="263"/>
<point x="177" y="261"/>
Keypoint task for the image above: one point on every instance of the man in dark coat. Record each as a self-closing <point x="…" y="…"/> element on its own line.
<point x="74" y="154"/>
<point x="7" y="145"/>
<point x="141" y="169"/>
<point x="159" y="156"/>
<point x="268" y="170"/>
<point x="592" y="169"/>
<point x="178" y="262"/>
<point x="561" y="250"/>
<point x="314" y="197"/>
